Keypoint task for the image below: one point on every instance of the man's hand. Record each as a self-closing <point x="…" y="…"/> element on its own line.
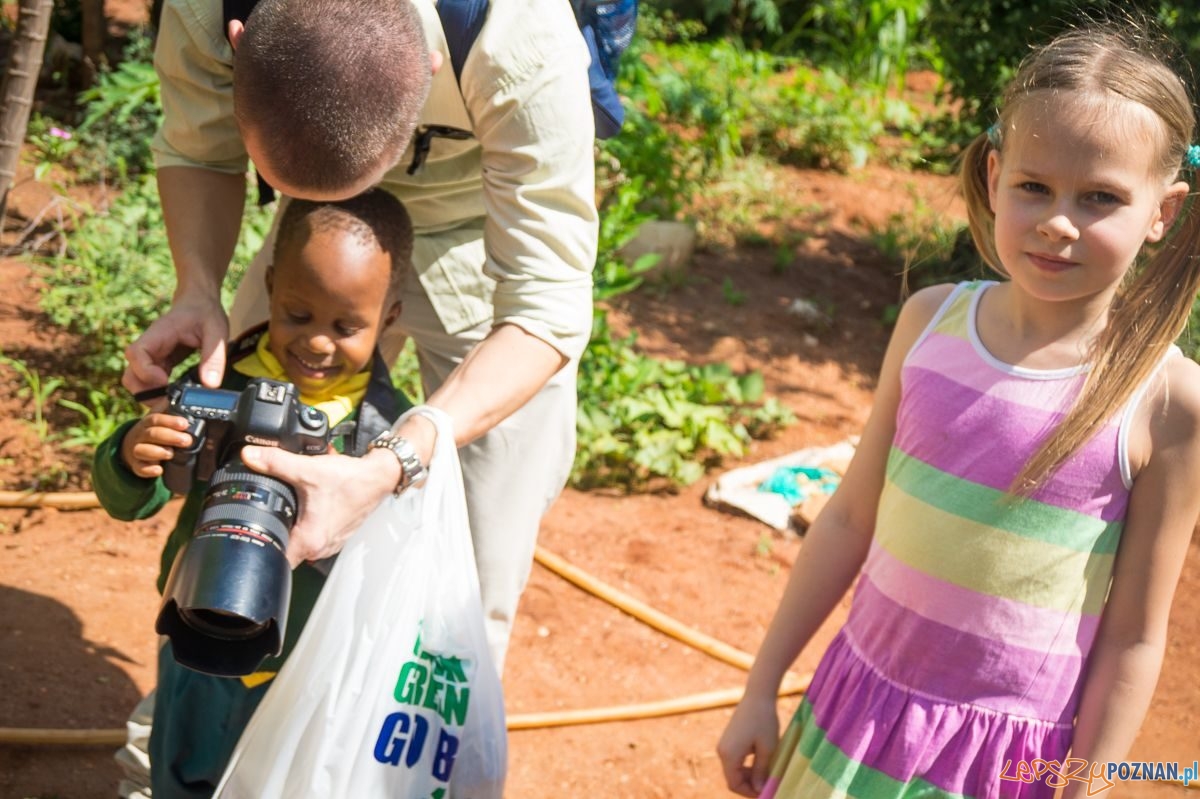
<point x="336" y="494"/>
<point x="189" y="325"/>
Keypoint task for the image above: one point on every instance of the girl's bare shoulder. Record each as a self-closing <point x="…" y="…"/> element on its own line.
<point x="1174" y="406"/>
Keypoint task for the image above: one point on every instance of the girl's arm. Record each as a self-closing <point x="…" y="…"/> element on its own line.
<point x="1164" y="505"/>
<point x="835" y="547"/>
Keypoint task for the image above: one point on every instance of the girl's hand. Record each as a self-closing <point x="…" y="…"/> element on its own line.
<point x="747" y="744"/>
<point x="153" y="440"/>
<point x="336" y="494"/>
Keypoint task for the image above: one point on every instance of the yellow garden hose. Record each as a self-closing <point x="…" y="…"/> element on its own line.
<point x="521" y="721"/>
<point x="792" y="684"/>
<point x="643" y="612"/>
<point x="70" y="500"/>
<point x="31" y="736"/>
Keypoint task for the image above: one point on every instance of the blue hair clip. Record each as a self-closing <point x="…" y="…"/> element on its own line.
<point x="993" y="134"/>
<point x="1192" y="159"/>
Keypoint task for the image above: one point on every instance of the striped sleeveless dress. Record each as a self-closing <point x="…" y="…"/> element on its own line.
<point x="968" y="635"/>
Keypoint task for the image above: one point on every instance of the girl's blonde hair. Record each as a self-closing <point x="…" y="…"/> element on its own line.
<point x="1121" y="61"/>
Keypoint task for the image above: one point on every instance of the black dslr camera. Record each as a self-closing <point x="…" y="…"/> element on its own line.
<point x="226" y="599"/>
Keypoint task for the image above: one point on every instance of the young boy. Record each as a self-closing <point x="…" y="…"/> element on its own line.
<point x="334" y="288"/>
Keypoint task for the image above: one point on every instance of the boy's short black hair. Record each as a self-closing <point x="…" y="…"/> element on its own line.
<point x="373" y="217"/>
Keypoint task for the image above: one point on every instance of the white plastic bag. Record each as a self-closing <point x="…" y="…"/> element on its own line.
<point x="391" y="690"/>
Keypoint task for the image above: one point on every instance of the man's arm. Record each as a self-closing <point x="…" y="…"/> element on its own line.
<point x="202" y="210"/>
<point x="497" y="377"/>
<point x="338" y="492"/>
<point x="201" y="163"/>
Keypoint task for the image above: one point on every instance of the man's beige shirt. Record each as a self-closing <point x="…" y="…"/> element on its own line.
<point x="526" y="181"/>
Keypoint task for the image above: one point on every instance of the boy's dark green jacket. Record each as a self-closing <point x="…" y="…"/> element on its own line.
<point x="127" y="497"/>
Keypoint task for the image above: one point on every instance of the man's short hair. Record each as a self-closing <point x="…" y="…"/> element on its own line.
<point x="331" y="88"/>
<point x="374" y="217"/>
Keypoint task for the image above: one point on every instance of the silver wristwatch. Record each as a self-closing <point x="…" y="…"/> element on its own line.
<point x="411" y="468"/>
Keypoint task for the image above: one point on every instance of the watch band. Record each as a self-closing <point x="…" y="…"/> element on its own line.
<point x="411" y="468"/>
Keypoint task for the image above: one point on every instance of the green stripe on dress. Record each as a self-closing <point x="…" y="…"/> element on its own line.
<point x="978" y="503"/>
<point x="819" y="768"/>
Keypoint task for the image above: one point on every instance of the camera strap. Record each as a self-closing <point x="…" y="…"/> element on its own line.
<point x="377" y="412"/>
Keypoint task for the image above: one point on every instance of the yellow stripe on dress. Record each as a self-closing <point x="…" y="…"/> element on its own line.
<point x="980" y="557"/>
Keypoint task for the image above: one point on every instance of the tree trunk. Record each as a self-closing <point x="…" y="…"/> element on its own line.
<point x="20" y="82"/>
<point x="93" y="25"/>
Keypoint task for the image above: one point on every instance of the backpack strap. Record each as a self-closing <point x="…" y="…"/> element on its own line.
<point x="378" y="410"/>
<point x="607" y="27"/>
<point x="245" y="343"/>
<point x="461" y="22"/>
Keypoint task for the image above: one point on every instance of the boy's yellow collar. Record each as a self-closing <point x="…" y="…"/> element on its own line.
<point x="338" y="400"/>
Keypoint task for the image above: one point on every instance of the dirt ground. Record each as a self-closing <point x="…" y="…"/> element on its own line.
<point x="76" y="588"/>
<point x="77" y="597"/>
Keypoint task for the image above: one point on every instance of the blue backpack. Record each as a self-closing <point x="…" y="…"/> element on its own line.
<point x="607" y="27"/>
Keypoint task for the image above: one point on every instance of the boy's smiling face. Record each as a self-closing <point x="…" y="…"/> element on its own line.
<point x="330" y="301"/>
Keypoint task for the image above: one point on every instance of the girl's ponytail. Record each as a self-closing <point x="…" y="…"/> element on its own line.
<point x="974" y="181"/>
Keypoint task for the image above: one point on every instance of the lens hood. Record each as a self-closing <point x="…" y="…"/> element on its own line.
<point x="225" y="604"/>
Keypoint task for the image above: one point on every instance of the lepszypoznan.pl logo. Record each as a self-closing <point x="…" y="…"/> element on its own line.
<point x="1098" y="776"/>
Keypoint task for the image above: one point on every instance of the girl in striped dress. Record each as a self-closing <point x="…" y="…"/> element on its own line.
<point x="1023" y="496"/>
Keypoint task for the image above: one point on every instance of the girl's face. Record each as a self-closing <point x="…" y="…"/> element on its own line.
<point x="1075" y="196"/>
<point x="329" y="304"/>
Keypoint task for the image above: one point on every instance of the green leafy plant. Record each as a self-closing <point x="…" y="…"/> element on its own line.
<point x="916" y="234"/>
<point x="102" y="412"/>
<point x="684" y="122"/>
<point x="981" y="42"/>
<point x="619" y="223"/>
<point x="51" y="144"/>
<point x="116" y="276"/>
<point x="121" y="113"/>
<point x="730" y="292"/>
<point x="51" y="478"/>
<point x="645" y="424"/>
<point x="869" y="42"/>
<point x="406" y="373"/>
<point x="37" y="390"/>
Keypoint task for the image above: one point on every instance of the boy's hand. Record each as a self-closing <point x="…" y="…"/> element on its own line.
<point x="154" y="440"/>
<point x="747" y="744"/>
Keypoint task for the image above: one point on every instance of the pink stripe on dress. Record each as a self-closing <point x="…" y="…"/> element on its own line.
<point x="941" y="353"/>
<point x="956" y="666"/>
<point x="967" y="415"/>
<point x="958" y="748"/>
<point x="962" y="609"/>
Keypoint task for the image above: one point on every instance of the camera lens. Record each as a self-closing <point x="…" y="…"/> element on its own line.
<point x="241" y="502"/>
<point x="226" y="599"/>
<point x="220" y="625"/>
